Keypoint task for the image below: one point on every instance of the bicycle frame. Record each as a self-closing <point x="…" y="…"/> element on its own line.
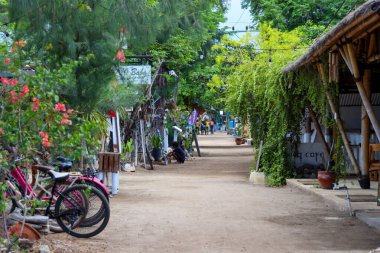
<point x="17" y="174"/>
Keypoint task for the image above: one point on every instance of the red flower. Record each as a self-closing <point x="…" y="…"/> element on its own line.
<point x="25" y="89"/>
<point x="13" y="93"/>
<point x="7" y="61"/>
<point x="21" y="94"/>
<point x="70" y="111"/>
<point x="43" y="134"/>
<point x="66" y="122"/>
<point x="13" y="50"/>
<point x="1" y="131"/>
<point x="46" y="144"/>
<point x="60" y="107"/>
<point x="36" y="104"/>
<point x="120" y="56"/>
<point x="23" y="43"/>
<point x="14" y="100"/>
<point x="4" y="80"/>
<point x="65" y="115"/>
<point x="16" y="43"/>
<point x="13" y="81"/>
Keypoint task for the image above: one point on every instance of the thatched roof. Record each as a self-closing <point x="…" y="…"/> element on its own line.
<point x="362" y="17"/>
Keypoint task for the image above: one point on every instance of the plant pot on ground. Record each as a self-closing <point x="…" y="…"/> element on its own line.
<point x="240" y="140"/>
<point x="327" y="178"/>
<point x="364" y="182"/>
<point x="126" y="156"/>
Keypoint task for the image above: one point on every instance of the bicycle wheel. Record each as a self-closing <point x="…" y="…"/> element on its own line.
<point x="91" y="218"/>
<point x="70" y="208"/>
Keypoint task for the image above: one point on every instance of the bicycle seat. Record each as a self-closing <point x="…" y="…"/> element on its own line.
<point x="58" y="176"/>
<point x="63" y="166"/>
<point x="43" y="168"/>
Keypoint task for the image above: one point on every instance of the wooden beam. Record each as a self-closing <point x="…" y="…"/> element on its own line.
<point x="370" y="23"/>
<point x="338" y="121"/>
<point x="345" y="57"/>
<point x="371" y="45"/>
<point x="373" y="58"/>
<point x="359" y="83"/>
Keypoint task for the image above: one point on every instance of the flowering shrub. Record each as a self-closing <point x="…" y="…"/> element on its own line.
<point x="32" y="117"/>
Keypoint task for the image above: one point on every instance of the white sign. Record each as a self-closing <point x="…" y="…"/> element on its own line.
<point x="134" y="75"/>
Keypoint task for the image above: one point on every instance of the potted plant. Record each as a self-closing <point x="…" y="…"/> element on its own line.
<point x="327" y="178"/>
<point x="126" y="156"/>
<point x="156" y="145"/>
<point x="239" y="139"/>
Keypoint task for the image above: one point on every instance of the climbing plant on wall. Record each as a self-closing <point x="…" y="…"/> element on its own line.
<point x="273" y="103"/>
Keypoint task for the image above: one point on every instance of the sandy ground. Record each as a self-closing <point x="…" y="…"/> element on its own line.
<point x="208" y="205"/>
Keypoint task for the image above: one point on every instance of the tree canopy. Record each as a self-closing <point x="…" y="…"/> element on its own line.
<point x="289" y="14"/>
<point x="92" y="31"/>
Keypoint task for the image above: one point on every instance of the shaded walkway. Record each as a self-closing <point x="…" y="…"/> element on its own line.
<point x="207" y="205"/>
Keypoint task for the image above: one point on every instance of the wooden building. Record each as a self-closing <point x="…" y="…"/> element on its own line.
<point x="349" y="55"/>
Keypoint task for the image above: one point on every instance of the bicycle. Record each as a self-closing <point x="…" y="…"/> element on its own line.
<point x="73" y="205"/>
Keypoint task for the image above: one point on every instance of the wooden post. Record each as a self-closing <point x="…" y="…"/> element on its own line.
<point x="196" y="142"/>
<point x="338" y="121"/>
<point x="365" y="125"/>
<point x="143" y="143"/>
<point x="362" y="92"/>
<point x="319" y="132"/>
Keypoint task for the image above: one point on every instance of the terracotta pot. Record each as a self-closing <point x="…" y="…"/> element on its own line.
<point x="28" y="233"/>
<point x="239" y="140"/>
<point x="326" y="179"/>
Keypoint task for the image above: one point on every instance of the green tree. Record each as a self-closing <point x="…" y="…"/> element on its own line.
<point x="91" y="31"/>
<point x="289" y="14"/>
<point x="188" y="53"/>
<point x="257" y="91"/>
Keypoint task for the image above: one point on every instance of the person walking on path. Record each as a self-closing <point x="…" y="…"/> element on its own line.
<point x="212" y="126"/>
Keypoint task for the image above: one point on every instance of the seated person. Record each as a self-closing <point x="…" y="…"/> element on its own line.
<point x="178" y="153"/>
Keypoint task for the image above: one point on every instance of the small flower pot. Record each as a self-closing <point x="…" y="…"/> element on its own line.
<point x="364" y="182"/>
<point x="156" y="153"/>
<point x="239" y="140"/>
<point x="326" y="179"/>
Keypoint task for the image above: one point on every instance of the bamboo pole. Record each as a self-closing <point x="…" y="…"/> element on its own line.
<point x="362" y="92"/>
<point x="373" y="58"/>
<point x="345" y="58"/>
<point x="319" y="131"/>
<point x="338" y="121"/>
<point x="362" y="28"/>
<point x="371" y="46"/>
<point x="365" y="124"/>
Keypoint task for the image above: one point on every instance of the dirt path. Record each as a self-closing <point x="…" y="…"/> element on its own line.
<point x="207" y="205"/>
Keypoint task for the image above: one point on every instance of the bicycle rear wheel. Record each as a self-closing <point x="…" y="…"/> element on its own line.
<point x="71" y="207"/>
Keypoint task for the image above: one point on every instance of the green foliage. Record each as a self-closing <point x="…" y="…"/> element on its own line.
<point x="156" y="141"/>
<point x="128" y="147"/>
<point x="183" y="52"/>
<point x="289" y="14"/>
<point x="90" y="32"/>
<point x="261" y="95"/>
